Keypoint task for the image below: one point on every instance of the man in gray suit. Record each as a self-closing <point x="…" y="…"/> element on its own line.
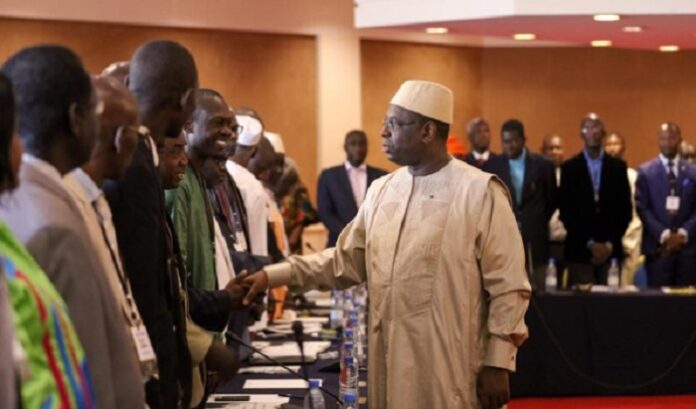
<point x="57" y="107"/>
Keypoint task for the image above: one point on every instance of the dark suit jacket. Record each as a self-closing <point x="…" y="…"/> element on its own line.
<point x="335" y="202"/>
<point x="585" y="220"/>
<point x="469" y="158"/>
<point x="652" y="189"/>
<point x="137" y="204"/>
<point x="539" y="201"/>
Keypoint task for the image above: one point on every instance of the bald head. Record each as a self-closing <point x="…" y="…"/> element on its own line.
<point x="669" y="139"/>
<point x="163" y="78"/>
<point x="553" y="148"/>
<point x="118" y="134"/>
<point x="479" y="133"/>
<point x="592" y="132"/>
<point x="119" y="70"/>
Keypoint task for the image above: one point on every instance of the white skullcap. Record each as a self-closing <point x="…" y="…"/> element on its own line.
<point x="276" y="140"/>
<point x="251" y="130"/>
<point x="426" y="98"/>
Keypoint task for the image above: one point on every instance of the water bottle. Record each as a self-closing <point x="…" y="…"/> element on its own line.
<point x="348" y="307"/>
<point x="551" y="275"/>
<point x="336" y="309"/>
<point x="315" y="396"/>
<point x="349" y="377"/>
<point x="350" y="401"/>
<point x="357" y="337"/>
<point x="614" y="273"/>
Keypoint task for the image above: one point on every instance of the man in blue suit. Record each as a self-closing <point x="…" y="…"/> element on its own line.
<point x="342" y="188"/>
<point x="666" y="203"/>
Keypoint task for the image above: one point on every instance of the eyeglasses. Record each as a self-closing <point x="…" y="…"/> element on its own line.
<point x="393" y="124"/>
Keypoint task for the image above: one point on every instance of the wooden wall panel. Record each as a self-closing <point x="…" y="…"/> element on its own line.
<point x="385" y="65"/>
<point x="276" y="74"/>
<point x="550" y="90"/>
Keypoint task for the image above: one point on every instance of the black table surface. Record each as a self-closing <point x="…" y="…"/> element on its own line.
<point x="608" y="344"/>
<point x="330" y="382"/>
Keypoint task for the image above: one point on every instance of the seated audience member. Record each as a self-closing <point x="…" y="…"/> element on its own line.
<point x="532" y="184"/>
<point x="479" y="133"/>
<point x="615" y="145"/>
<point x="56" y="104"/>
<point x="595" y="206"/>
<point x="342" y="189"/>
<point x="163" y="78"/>
<point x="553" y="149"/>
<point x="25" y="294"/>
<point x="666" y="203"/>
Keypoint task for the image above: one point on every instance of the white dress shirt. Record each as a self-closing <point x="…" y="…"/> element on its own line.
<point x="481" y="156"/>
<point x="255" y="202"/>
<point x="358" y="181"/>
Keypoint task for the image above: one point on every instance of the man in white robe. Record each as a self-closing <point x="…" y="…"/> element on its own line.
<point x="439" y="246"/>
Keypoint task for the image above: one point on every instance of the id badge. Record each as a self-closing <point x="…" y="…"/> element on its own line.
<point x="240" y="243"/>
<point x="672" y="204"/>
<point x="142" y="344"/>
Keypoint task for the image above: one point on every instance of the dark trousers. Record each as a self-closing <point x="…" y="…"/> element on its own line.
<point x="677" y="269"/>
<point x="587" y="273"/>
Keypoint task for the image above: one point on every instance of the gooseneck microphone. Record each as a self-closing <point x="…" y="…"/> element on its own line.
<point x="241" y="342"/>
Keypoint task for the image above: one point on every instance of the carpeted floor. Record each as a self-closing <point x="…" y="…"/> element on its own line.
<point x="641" y="402"/>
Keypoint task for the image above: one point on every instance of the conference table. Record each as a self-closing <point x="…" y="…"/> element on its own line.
<point x="325" y="369"/>
<point x="639" y="343"/>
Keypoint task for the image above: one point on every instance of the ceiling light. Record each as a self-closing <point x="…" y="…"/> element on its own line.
<point x="606" y="17"/>
<point x="669" y="48"/>
<point x="601" y="43"/>
<point x="524" y="36"/>
<point x="437" y="30"/>
<point x="632" y="29"/>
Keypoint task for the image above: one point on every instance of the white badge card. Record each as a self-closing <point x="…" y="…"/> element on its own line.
<point x="142" y="343"/>
<point x="672" y="204"/>
<point x="240" y="243"/>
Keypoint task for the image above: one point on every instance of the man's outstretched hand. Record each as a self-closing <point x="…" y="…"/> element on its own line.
<point x="256" y="283"/>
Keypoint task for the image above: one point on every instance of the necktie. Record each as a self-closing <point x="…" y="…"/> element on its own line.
<point x="672" y="178"/>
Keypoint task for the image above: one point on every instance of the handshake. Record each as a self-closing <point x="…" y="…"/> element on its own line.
<point x="245" y="288"/>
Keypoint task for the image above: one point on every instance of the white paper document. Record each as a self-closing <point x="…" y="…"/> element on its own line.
<point x="275" y="384"/>
<point x="268" y="369"/>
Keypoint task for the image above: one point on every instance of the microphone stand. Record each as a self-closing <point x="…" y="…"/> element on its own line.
<point x="241" y="342"/>
<point x="298" y="330"/>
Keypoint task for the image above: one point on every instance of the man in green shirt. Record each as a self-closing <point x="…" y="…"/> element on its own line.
<point x="211" y="128"/>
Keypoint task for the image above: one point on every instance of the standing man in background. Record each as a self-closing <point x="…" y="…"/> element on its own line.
<point x="530" y="179"/>
<point x="666" y="202"/>
<point x="342" y="188"/>
<point x="554" y="150"/>
<point x="615" y="145"/>
<point x="479" y="133"/>
<point x="595" y="205"/>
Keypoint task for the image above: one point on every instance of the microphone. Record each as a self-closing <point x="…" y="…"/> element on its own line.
<point x="298" y="330"/>
<point x="241" y="342"/>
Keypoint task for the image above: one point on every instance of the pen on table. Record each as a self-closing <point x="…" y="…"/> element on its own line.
<point x="291" y="396"/>
<point x="235" y="398"/>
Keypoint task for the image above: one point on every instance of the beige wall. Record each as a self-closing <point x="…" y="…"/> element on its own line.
<point x="551" y="89"/>
<point x="276" y="74"/>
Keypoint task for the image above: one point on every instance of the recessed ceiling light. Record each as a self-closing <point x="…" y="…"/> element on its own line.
<point x="437" y="30"/>
<point x="669" y="48"/>
<point x="601" y="43"/>
<point x="607" y="17"/>
<point x="632" y="29"/>
<point x="524" y="36"/>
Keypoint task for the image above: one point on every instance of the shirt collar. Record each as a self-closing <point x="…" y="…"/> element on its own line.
<point x="87" y="184"/>
<point x="664" y="160"/>
<point x="485" y="155"/>
<point x="44" y="167"/>
<point x="521" y="158"/>
<point x="590" y="158"/>
<point x="362" y="167"/>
